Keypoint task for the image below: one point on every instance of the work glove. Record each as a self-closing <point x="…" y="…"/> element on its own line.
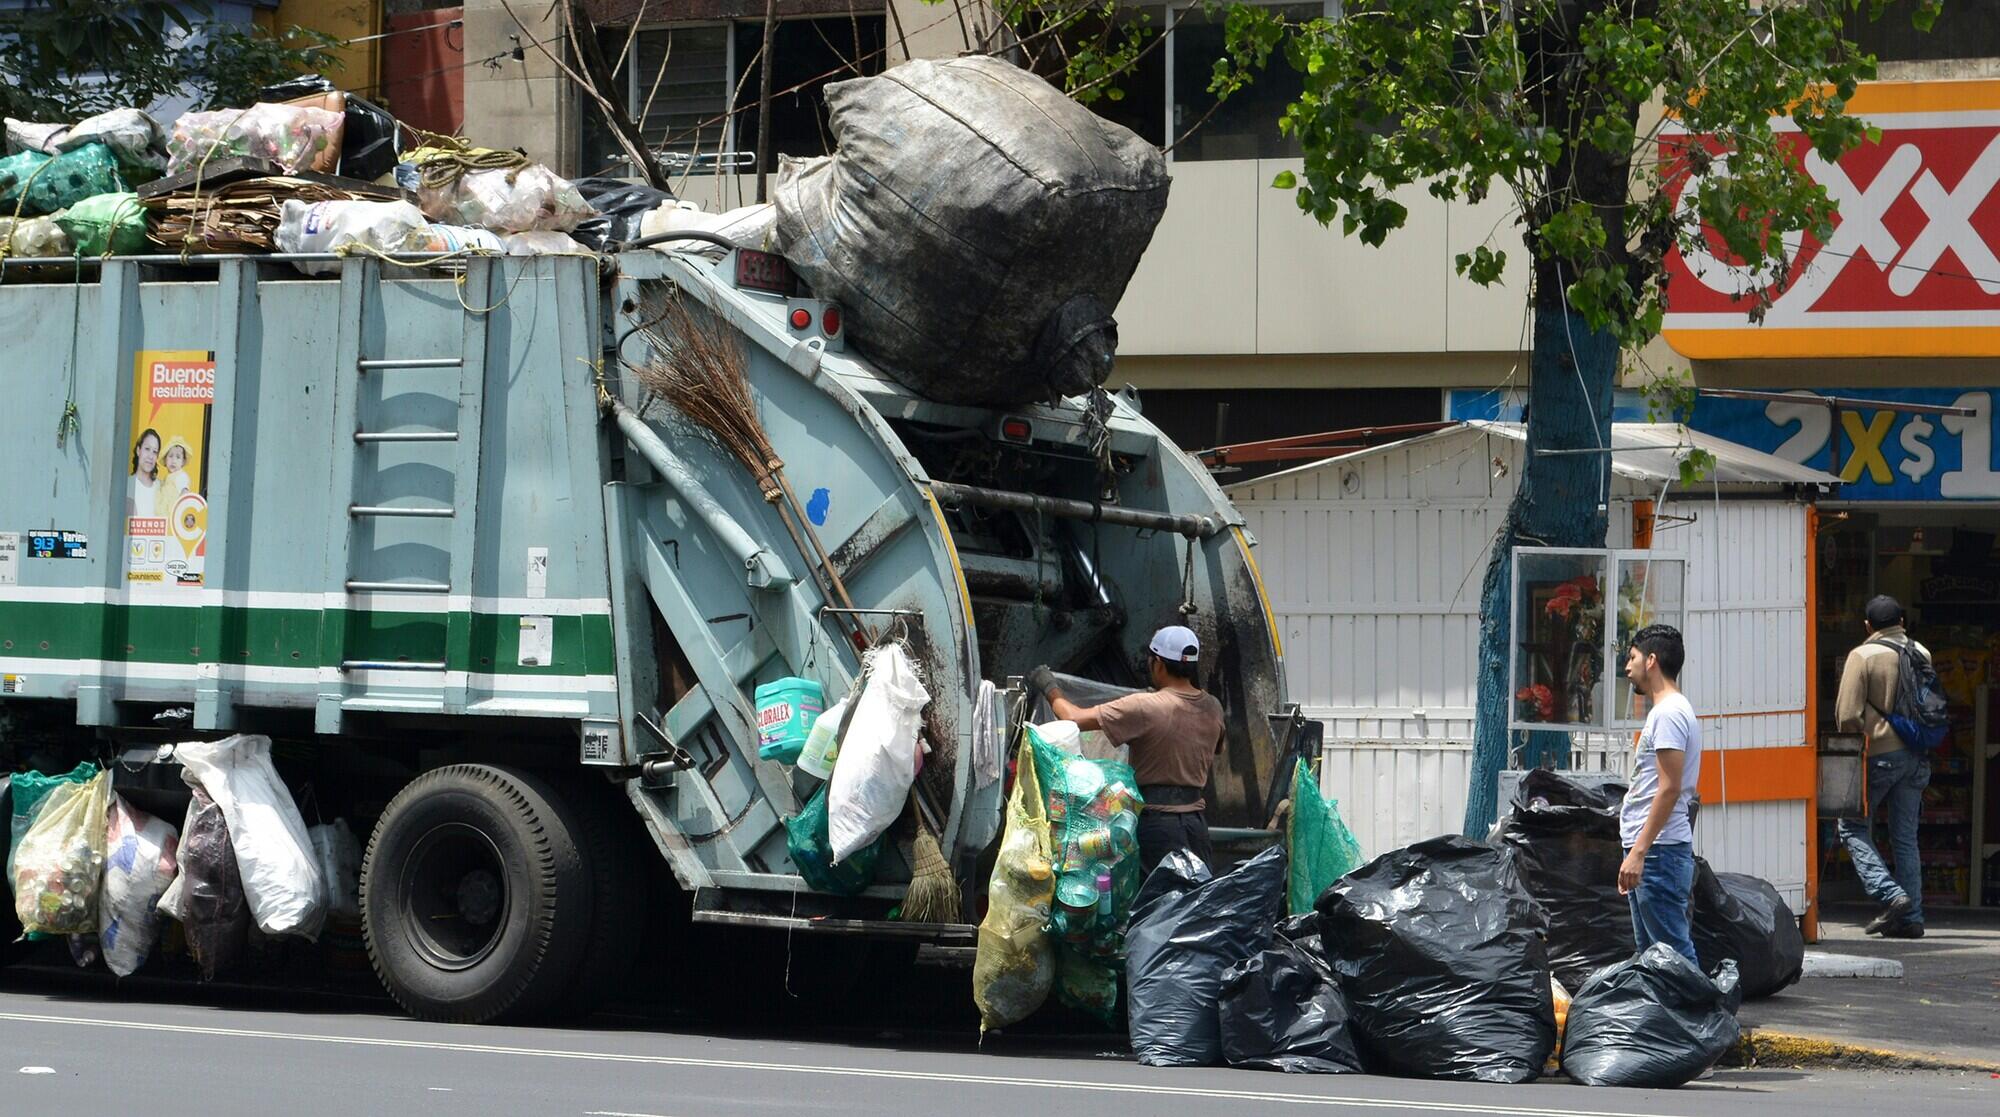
<point x="1042" y="681"/>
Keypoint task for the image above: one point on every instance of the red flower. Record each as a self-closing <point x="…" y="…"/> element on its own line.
<point x="1544" y="699"/>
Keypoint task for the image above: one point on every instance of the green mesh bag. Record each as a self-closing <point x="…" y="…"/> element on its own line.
<point x="1093" y="829"/>
<point x="106" y="225"/>
<point x="807" y="839"/>
<point x="1321" y="846"/>
<point x="38" y="184"/>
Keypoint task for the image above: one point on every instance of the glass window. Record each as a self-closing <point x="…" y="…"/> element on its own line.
<point x="1558" y="670"/>
<point x="1650" y="591"/>
<point x="1245" y="126"/>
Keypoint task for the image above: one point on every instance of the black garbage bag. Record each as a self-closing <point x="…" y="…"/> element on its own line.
<point x="1187" y="930"/>
<point x="1282" y="1010"/>
<point x="978" y="226"/>
<point x="1650" y="1021"/>
<point x="370" y="142"/>
<point x="1741" y="918"/>
<point x="1439" y="952"/>
<point x="623" y="203"/>
<point x="1563" y="836"/>
<point x="217" y="913"/>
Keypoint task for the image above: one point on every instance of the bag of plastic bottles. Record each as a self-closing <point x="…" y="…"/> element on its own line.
<point x="141" y="860"/>
<point x="1014" y="966"/>
<point x="59" y="867"/>
<point x="106" y="225"/>
<point x="296" y="137"/>
<point x="40" y="184"/>
<point x="1093" y="812"/>
<point x="1322" y="848"/>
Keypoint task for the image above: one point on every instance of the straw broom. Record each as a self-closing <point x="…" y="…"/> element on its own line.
<point x="697" y="367"/>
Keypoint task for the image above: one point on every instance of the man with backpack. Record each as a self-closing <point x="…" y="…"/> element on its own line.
<point x="1889" y="693"/>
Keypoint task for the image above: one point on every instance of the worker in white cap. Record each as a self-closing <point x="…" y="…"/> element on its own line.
<point x="1175" y="731"/>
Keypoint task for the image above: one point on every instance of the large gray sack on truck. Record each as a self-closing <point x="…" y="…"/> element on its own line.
<point x="977" y="225"/>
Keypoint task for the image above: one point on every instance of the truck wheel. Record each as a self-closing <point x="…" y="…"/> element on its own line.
<point x="475" y="897"/>
<point x="619" y="893"/>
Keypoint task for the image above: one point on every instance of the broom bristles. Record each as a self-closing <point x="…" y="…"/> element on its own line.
<point x="934" y="895"/>
<point x="697" y="367"/>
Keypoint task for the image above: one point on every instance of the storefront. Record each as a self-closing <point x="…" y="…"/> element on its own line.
<point x="1910" y="523"/>
<point x="1902" y="303"/>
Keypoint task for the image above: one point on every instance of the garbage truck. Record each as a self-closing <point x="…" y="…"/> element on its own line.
<point x="506" y="610"/>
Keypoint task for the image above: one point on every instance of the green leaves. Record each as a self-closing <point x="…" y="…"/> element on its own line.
<point x="1482" y="265"/>
<point x="67" y="59"/>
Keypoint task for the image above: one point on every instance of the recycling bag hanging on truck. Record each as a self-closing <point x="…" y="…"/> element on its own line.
<point x="878" y="752"/>
<point x="273" y="852"/>
<point x="977" y="225"/>
<point x="1015" y="965"/>
<point x="140" y="862"/>
<point x="59" y="868"/>
<point x="1439" y="950"/>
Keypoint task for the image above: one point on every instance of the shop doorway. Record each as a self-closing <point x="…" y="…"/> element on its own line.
<point x="1940" y="562"/>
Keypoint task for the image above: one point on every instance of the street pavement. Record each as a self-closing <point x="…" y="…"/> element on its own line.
<point x="1946" y="1005"/>
<point x="73" y="1045"/>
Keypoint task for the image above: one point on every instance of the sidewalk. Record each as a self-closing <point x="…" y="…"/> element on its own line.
<point x="1945" y="1007"/>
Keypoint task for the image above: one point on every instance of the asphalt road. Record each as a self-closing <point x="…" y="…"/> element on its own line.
<point x="79" y="1047"/>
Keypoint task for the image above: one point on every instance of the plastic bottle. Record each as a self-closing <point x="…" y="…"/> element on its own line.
<point x="1103" y="895"/>
<point x="823" y="742"/>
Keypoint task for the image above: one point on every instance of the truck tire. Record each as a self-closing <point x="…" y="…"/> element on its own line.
<point x="475" y="895"/>
<point x="619" y="899"/>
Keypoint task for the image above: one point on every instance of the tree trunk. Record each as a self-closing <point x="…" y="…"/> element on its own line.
<point x="1561" y="501"/>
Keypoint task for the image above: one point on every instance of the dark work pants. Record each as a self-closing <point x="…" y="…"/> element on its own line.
<point x="1161" y="833"/>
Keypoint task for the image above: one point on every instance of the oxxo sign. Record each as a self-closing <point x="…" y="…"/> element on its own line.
<point x="1911" y="267"/>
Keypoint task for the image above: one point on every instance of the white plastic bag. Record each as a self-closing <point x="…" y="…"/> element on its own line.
<point x="131" y="134"/>
<point x="544" y="242"/>
<point x="29" y="135"/>
<point x="393" y="227"/>
<point x="745" y="226"/>
<point x="878" y="757"/>
<point x="339" y="859"/>
<point x="273" y="852"/>
<point x="139" y="865"/>
<point x="508" y="200"/>
<point x="441" y="240"/>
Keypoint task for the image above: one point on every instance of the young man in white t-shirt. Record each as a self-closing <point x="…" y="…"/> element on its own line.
<point x="1654" y="824"/>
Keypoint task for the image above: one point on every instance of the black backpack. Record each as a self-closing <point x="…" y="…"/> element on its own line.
<point x="1920" y="715"/>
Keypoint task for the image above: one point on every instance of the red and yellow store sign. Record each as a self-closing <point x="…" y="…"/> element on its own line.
<point x="1912" y="268"/>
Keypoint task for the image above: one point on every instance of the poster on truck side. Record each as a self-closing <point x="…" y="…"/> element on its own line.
<point x="166" y="503"/>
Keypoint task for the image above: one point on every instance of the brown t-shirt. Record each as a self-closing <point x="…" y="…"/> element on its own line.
<point x="1174" y="734"/>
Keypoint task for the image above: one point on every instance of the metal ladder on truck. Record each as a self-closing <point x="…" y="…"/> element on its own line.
<point x="433" y="679"/>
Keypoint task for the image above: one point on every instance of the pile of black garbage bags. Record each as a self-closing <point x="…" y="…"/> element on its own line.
<point x="1443" y="960"/>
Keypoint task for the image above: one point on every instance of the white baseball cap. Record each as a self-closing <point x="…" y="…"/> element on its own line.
<point x="1176" y="644"/>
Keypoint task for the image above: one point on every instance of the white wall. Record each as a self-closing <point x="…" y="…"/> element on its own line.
<point x="1235" y="269"/>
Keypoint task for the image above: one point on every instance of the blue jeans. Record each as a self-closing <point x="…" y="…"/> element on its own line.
<point x="1896" y="783"/>
<point x="1660" y="905"/>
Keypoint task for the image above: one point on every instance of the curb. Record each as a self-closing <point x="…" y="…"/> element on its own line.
<point x="1764" y="1047"/>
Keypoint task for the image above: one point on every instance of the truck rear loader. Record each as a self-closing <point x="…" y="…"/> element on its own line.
<point x="506" y="611"/>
